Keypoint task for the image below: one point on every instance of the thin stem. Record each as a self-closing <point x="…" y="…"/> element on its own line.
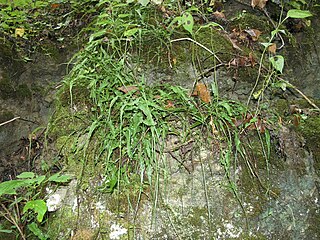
<point x="199" y="44"/>
<point x="13" y="221"/>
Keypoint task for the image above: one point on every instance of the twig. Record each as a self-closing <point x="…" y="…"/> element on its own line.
<point x="9" y="121"/>
<point x="13" y="221"/>
<point x="290" y="85"/>
<point x="199" y="44"/>
<point x="304" y="96"/>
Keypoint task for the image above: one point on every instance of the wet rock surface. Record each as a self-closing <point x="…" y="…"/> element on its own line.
<point x="194" y="198"/>
<point x="26" y="95"/>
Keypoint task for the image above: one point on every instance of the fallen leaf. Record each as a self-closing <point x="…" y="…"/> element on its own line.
<point x="259" y="3"/>
<point x="202" y="92"/>
<point x="55" y="5"/>
<point x="253" y="33"/>
<point x="242" y="61"/>
<point x="296" y="120"/>
<point x="169" y="104"/>
<point x="251" y="59"/>
<point x="126" y="89"/>
<point x="219" y="15"/>
<point x="19" y="32"/>
<point x="272" y="48"/>
<point x="232" y="38"/>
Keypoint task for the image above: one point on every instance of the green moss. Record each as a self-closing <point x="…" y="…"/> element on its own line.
<point x="310" y="129"/>
<point x="23" y="92"/>
<point x="216" y="42"/>
<point x="5" y="115"/>
<point x="196" y="218"/>
<point x="61" y="224"/>
<point x="6" y="88"/>
<point x="251" y="21"/>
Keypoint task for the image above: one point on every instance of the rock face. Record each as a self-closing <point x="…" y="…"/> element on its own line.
<point x="304" y="60"/>
<point x="195" y="200"/>
<point x="26" y="93"/>
<point x="198" y="194"/>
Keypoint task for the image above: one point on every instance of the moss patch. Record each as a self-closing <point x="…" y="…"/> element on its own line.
<point x="310" y="129"/>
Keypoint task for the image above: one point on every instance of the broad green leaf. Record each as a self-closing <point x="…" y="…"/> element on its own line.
<point x="144" y="2"/>
<point x="157" y="2"/>
<point x="39" y="179"/>
<point x="174" y="21"/>
<point x="146" y="111"/>
<point x="188" y="22"/>
<point x="10" y="187"/>
<point x="281" y="84"/>
<point x="295" y="13"/>
<point x="26" y="175"/>
<point x="38" y="206"/>
<point x="97" y="35"/>
<point x="59" y="178"/>
<point x="33" y="227"/>
<point x="131" y="32"/>
<point x="257" y="94"/>
<point x="276" y="31"/>
<point x="227" y="107"/>
<point x="212" y="24"/>
<point x="277" y="62"/>
<point x="266" y="44"/>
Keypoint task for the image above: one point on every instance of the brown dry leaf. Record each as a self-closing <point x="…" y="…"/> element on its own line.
<point x="232" y="38"/>
<point x="234" y="62"/>
<point x="243" y="62"/>
<point x="169" y="104"/>
<point x="251" y="59"/>
<point x="126" y="89"/>
<point x="259" y="3"/>
<point x="272" y="48"/>
<point x="202" y="92"/>
<point x="296" y="120"/>
<point x="254" y="33"/>
<point x="219" y="15"/>
<point x="240" y="62"/>
<point x="55" y="5"/>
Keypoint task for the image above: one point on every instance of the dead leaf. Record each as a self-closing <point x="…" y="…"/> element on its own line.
<point x="296" y="120"/>
<point x="251" y="59"/>
<point x="242" y="61"/>
<point x="253" y="33"/>
<point x="55" y="5"/>
<point x="126" y="89"/>
<point x="202" y="92"/>
<point x="259" y="3"/>
<point x="272" y="48"/>
<point x="169" y="104"/>
<point x="232" y="38"/>
<point x="19" y="32"/>
<point x="219" y="15"/>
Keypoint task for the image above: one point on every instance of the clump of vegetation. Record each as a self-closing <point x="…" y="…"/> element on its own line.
<point x="110" y="116"/>
<point x="23" y="205"/>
